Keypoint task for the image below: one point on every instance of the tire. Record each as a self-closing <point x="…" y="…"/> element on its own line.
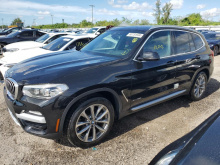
<point x="85" y="131"/>
<point x="1" y="46"/>
<point x="199" y="87"/>
<point x="215" y="50"/>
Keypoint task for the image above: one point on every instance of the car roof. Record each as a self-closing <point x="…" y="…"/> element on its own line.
<point x="57" y="33"/>
<point x="145" y="28"/>
<point x="77" y="36"/>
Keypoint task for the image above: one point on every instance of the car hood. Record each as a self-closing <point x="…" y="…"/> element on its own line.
<point x="24" y="45"/>
<point x="18" y="56"/>
<point x="43" y="69"/>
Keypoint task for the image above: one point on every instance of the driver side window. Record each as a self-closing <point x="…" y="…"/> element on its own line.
<point x="159" y="42"/>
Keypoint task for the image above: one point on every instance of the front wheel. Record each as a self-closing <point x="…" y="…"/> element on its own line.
<point x="199" y="87"/>
<point x="90" y="123"/>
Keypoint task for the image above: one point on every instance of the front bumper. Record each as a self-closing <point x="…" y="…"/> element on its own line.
<point x="43" y="124"/>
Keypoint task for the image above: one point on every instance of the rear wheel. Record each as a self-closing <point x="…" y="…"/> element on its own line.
<point x="90" y="123"/>
<point x="199" y="86"/>
<point x="215" y="50"/>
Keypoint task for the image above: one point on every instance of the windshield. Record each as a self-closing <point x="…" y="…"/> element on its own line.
<point x="43" y="38"/>
<point x="212" y="36"/>
<point x="57" y="44"/>
<point x="93" y="30"/>
<point x="13" y="34"/>
<point x="115" y="43"/>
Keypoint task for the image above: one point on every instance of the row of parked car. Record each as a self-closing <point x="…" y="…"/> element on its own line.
<point x="73" y="87"/>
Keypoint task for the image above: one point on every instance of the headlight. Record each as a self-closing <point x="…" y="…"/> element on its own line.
<point x="44" y="91"/>
<point x="211" y="45"/>
<point x="9" y="65"/>
<point x="12" y="50"/>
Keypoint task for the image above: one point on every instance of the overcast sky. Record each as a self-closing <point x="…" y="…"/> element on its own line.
<point x="73" y="11"/>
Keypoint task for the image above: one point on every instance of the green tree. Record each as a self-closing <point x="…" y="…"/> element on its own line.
<point x="16" y="20"/>
<point x="144" y="22"/>
<point x="192" y="19"/>
<point x="157" y="12"/>
<point x="166" y="12"/>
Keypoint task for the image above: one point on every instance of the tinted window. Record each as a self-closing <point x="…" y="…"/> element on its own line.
<point x="212" y="36"/>
<point x="39" y="34"/>
<point x="182" y="42"/>
<point x="27" y="34"/>
<point x="159" y="42"/>
<point x="92" y="30"/>
<point x="53" y="38"/>
<point x="43" y="38"/>
<point x="114" y="42"/>
<point x="191" y="42"/>
<point x="197" y="40"/>
<point x="101" y="30"/>
<point x="78" y="44"/>
<point x="57" y="44"/>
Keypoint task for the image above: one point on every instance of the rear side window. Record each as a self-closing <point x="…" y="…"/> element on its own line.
<point x="197" y="40"/>
<point x="27" y="34"/>
<point x="182" y="42"/>
<point x="159" y="42"/>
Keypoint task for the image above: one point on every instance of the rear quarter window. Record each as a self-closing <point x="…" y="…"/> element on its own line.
<point x="197" y="40"/>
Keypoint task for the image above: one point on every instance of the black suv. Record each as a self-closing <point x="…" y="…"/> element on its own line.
<point x="76" y="96"/>
<point x="21" y="35"/>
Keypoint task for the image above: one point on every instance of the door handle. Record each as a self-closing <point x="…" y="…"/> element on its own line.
<point x="170" y="63"/>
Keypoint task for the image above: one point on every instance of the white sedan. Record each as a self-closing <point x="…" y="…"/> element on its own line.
<point x="68" y="42"/>
<point x="24" y="45"/>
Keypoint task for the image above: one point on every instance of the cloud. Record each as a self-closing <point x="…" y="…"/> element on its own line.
<point x="201" y="6"/>
<point x="122" y="1"/>
<point x="112" y="3"/>
<point x="108" y="12"/>
<point x="177" y="4"/>
<point x="137" y="6"/>
<point x="214" y="12"/>
<point x="40" y="17"/>
<point x="43" y="12"/>
<point x="147" y="14"/>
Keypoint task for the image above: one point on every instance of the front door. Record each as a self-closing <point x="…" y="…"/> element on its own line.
<point x="154" y="79"/>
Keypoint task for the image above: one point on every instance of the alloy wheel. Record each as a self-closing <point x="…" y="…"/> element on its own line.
<point x="200" y="86"/>
<point x="92" y="123"/>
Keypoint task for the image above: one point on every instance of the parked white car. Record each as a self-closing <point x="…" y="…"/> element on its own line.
<point x="95" y="31"/>
<point x="68" y="42"/>
<point x="24" y="45"/>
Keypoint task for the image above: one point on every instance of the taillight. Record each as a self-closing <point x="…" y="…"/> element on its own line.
<point x="212" y="54"/>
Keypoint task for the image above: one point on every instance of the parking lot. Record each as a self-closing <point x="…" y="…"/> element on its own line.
<point x="135" y="139"/>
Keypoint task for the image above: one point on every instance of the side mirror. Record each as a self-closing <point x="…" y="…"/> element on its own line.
<point x="150" y="56"/>
<point x="18" y="36"/>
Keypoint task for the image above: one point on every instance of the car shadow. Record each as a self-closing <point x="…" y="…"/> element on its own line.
<point x="134" y="120"/>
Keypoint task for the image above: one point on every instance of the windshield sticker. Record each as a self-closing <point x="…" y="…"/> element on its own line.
<point x="138" y="35"/>
<point x="66" y="39"/>
<point x="125" y="52"/>
<point x="156" y="47"/>
<point x="134" y="40"/>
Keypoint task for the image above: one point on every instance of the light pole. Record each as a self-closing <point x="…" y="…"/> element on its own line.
<point x="2" y="23"/>
<point x="52" y="18"/>
<point x="92" y="12"/>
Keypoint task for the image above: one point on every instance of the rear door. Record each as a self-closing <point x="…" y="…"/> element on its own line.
<point x="188" y="48"/>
